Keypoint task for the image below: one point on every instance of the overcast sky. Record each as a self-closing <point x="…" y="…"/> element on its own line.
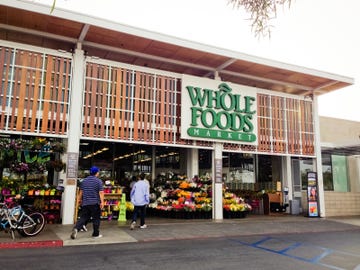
<point x="317" y="34"/>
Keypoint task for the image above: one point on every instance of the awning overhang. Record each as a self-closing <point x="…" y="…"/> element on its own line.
<point x="350" y="150"/>
<point x="30" y="23"/>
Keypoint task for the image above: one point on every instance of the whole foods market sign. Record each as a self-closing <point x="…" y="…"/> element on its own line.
<point x="218" y="111"/>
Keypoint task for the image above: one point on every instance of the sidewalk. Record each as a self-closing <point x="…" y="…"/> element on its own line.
<point x="159" y="229"/>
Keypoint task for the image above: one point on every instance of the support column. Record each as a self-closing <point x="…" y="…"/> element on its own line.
<point x="287" y="182"/>
<point x="318" y="160"/>
<point x="192" y="162"/>
<point x="153" y="165"/>
<point x="217" y="188"/>
<point x="74" y="134"/>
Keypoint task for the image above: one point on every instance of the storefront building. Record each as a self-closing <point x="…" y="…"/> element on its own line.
<point x="340" y="143"/>
<point x="128" y="100"/>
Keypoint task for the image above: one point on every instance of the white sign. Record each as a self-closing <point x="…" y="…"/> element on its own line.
<point x="218" y="111"/>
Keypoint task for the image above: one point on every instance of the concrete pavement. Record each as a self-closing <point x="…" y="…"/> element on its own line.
<point x="160" y="229"/>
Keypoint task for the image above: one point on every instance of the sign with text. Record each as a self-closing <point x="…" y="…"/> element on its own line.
<point x="72" y="165"/>
<point x="312" y="195"/>
<point x="218" y="170"/>
<point x="218" y="111"/>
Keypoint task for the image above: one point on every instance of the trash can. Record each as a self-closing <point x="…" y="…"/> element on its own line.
<point x="295" y="207"/>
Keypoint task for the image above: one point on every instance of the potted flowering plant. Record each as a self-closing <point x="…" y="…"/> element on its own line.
<point x="38" y="143"/>
<point x="57" y="164"/>
<point x="19" y="167"/>
<point x="58" y="147"/>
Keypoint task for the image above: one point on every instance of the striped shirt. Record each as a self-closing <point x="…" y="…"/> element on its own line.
<point x="91" y="186"/>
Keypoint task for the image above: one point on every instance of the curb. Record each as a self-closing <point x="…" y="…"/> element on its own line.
<point x="33" y="244"/>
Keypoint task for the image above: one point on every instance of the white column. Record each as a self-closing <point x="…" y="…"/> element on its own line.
<point x="74" y="133"/>
<point x="354" y="172"/>
<point x="217" y="188"/>
<point x="192" y="162"/>
<point x="153" y="165"/>
<point x="318" y="159"/>
<point x="287" y="180"/>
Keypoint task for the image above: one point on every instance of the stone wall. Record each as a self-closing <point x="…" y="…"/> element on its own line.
<point x="342" y="203"/>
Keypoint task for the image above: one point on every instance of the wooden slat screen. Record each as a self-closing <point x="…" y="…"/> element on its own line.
<point x="285" y="126"/>
<point x="294" y="124"/>
<point x="264" y="123"/>
<point x="34" y="93"/>
<point x="132" y="105"/>
<point x="278" y="124"/>
<point x="129" y="105"/>
<point x="307" y="131"/>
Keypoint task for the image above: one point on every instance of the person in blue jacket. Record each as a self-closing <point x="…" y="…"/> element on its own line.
<point x="140" y="198"/>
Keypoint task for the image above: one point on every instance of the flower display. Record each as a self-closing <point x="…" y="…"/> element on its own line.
<point x="19" y="167"/>
<point x="233" y="203"/>
<point x="184" y="198"/>
<point x="57" y="164"/>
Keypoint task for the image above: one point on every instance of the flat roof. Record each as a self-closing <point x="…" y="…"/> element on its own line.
<point x="32" y="23"/>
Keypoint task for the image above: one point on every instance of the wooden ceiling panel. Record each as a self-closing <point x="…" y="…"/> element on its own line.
<point x="240" y="66"/>
<point x="35" y="40"/>
<point x="161" y="49"/>
<point x="277" y="74"/>
<point x="147" y="63"/>
<point x="104" y="54"/>
<point x="39" y="22"/>
<point x="26" y="24"/>
<point x="212" y="60"/>
<point x="188" y="55"/>
<point x="258" y="70"/>
<point x="115" y="39"/>
<point x="311" y="81"/>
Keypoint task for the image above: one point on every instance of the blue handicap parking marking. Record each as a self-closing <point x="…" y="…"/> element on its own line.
<point x="305" y="252"/>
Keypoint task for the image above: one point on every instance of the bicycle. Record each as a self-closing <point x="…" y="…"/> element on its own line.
<point x="14" y="218"/>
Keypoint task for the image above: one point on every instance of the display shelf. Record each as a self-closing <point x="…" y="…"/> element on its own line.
<point x="50" y="205"/>
<point x="111" y="207"/>
<point x="112" y="199"/>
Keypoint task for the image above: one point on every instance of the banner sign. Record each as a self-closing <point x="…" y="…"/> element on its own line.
<point x="72" y="165"/>
<point x="218" y="170"/>
<point x="312" y="195"/>
<point x="218" y="111"/>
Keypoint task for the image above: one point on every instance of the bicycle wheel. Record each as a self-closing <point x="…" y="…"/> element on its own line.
<point x="32" y="224"/>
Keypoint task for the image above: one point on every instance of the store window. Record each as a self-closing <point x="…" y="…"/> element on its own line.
<point x="239" y="171"/>
<point x="268" y="172"/>
<point x="305" y="165"/>
<point x="121" y="161"/>
<point x="334" y="169"/>
<point x="335" y="174"/>
<point x="327" y="172"/>
<point x="205" y="162"/>
<point x="340" y="175"/>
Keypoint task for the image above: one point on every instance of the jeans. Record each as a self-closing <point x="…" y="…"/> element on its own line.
<point x="142" y="210"/>
<point x="87" y="212"/>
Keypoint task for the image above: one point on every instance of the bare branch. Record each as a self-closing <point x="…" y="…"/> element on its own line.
<point x="53" y="7"/>
<point x="261" y="12"/>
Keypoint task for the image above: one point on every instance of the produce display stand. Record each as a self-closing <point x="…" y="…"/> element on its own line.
<point x="112" y="200"/>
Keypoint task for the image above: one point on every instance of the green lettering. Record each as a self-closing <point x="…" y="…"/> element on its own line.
<point x="248" y="103"/>
<point x="208" y="115"/>
<point x="195" y="114"/>
<point x="195" y="96"/>
<point x="248" y="125"/>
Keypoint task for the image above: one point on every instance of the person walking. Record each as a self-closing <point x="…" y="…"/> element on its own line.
<point x="91" y="195"/>
<point x="140" y="198"/>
